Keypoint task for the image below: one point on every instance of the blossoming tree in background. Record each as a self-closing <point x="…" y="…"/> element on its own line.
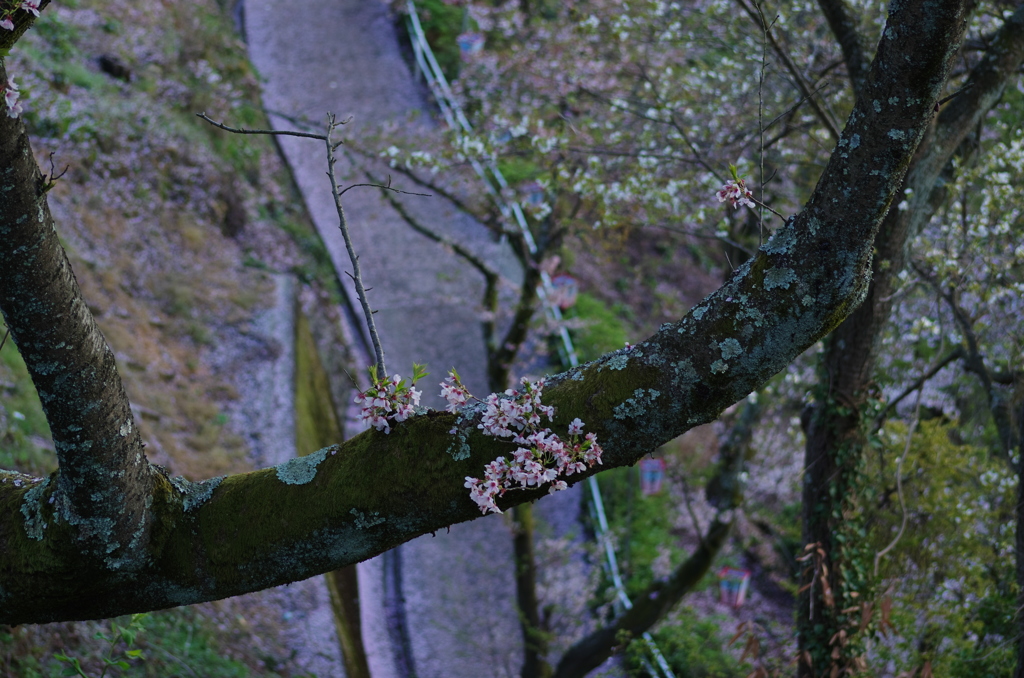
<point x="626" y="114"/>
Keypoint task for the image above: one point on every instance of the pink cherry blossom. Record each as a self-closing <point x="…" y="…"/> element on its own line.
<point x="454" y="392"/>
<point x="389" y="400"/>
<point x="31" y="6"/>
<point x="736" y="193"/>
<point x="542" y="457"/>
<point x="11" y="95"/>
<point x="7" y="23"/>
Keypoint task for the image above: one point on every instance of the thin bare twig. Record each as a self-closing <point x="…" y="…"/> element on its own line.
<point x="765" y="206"/>
<point x="953" y="95"/>
<point x="50" y="180"/>
<point x="792" y="109"/>
<point x="269" y="132"/>
<point x="328" y="139"/>
<point x="703" y="236"/>
<point x="384" y="187"/>
<point x="899" y="483"/>
<point x="798" y="78"/>
<point x="760" y="120"/>
<point x="378" y="349"/>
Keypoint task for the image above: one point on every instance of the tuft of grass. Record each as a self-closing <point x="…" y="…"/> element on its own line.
<point x="442" y="23"/>
<point x="603" y="330"/>
<point x="24" y="434"/>
<point x="518" y="170"/>
<point x="178" y="642"/>
<point x="693" y="647"/>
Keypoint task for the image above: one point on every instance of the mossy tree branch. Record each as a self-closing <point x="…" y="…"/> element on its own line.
<point x="347" y="503"/>
<point x="23" y="20"/>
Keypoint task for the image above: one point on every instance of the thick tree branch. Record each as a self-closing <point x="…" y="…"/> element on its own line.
<point x="23" y="20"/>
<point x="347" y="503"/>
<point x="502" y="354"/>
<point x="652" y="605"/>
<point x="843" y="23"/>
<point x="98" y="497"/>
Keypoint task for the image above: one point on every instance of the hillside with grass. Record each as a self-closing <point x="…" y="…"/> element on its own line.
<point x="179" y="235"/>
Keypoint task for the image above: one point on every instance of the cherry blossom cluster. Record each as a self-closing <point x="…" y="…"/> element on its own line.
<point x="388" y="400"/>
<point x="27" y="5"/>
<point x="454" y="392"/>
<point x="736" y="193"/>
<point x="542" y="456"/>
<point x="11" y="95"/>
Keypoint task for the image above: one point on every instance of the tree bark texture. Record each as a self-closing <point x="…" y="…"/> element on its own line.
<point x="316" y="426"/>
<point x="98" y="499"/>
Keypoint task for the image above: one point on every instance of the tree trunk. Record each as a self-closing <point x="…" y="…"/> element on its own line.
<point x="535" y="642"/>
<point x="835" y="429"/>
<point x="344" y="587"/>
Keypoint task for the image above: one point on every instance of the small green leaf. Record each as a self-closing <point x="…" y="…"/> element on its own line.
<point x="419" y="372"/>
<point x="75" y="668"/>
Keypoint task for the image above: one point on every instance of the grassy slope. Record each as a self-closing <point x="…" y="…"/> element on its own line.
<point x="172" y="228"/>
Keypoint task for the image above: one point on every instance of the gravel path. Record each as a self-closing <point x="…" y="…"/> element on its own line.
<point x="342" y="56"/>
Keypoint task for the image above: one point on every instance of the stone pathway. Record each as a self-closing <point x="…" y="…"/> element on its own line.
<point x="342" y="56"/>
